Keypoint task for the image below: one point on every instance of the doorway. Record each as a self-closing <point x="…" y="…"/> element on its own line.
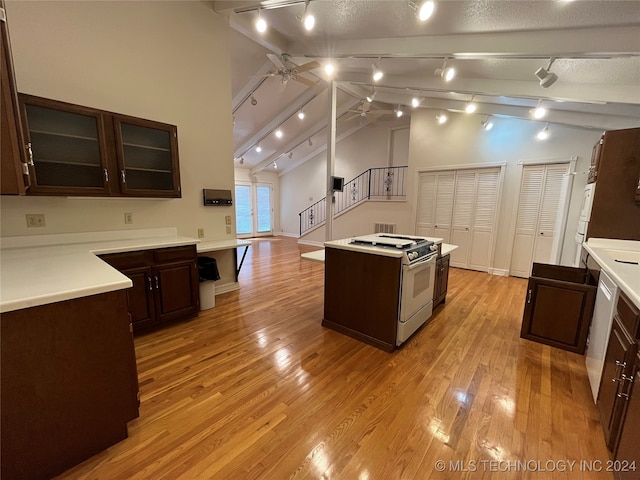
<point x="254" y="209"/>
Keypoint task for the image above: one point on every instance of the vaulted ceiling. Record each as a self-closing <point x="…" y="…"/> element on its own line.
<point x="495" y="46"/>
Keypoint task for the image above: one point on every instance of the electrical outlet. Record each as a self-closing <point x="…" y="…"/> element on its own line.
<point x="228" y="228"/>
<point x="201" y="233"/>
<point x="128" y="218"/>
<point x="35" y="220"/>
<point x="227" y="220"/>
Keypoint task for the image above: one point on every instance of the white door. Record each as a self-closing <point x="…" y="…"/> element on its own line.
<point x="426" y="204"/>
<point x="541" y="204"/>
<point x="463" y="212"/>
<point x="484" y="219"/>
<point x="445" y="188"/>
<point x="254" y="209"/>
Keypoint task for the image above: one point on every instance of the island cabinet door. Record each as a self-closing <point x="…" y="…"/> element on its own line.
<point x="140" y="297"/>
<point x="628" y="453"/>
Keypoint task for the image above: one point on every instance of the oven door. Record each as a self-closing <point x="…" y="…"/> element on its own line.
<point x="416" y="304"/>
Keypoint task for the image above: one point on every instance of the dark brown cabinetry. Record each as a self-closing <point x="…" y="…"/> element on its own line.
<point x="365" y="310"/>
<point x="165" y="284"/>
<point x="559" y="306"/>
<point x="69" y="383"/>
<point x="442" y="280"/>
<point x="628" y="447"/>
<point x="14" y="176"/>
<point x="76" y="150"/>
<point x="618" y="398"/>
<point x="615" y="212"/>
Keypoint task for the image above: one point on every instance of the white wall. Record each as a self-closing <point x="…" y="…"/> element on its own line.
<point x="306" y="184"/>
<point x="163" y="61"/>
<point x="461" y="141"/>
<point x="244" y="175"/>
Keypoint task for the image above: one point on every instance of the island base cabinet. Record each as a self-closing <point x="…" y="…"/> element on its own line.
<point x="628" y="452"/>
<point x="69" y="383"/>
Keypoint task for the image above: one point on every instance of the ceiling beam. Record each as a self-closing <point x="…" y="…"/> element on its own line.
<point x="271" y="40"/>
<point x="565" y="43"/>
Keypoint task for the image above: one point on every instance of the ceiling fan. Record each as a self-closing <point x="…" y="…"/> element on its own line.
<point x="287" y="70"/>
<point x="363" y="110"/>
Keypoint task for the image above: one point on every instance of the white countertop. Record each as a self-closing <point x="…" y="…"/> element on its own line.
<point x="221" y="245"/>
<point x="627" y="276"/>
<point x="42" y="269"/>
<point x="345" y="244"/>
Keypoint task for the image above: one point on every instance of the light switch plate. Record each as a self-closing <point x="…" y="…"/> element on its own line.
<point x="227" y="220"/>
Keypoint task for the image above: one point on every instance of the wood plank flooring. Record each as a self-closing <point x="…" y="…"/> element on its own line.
<point x="256" y="388"/>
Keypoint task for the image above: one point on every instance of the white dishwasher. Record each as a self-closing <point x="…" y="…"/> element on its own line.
<point x="603" y="313"/>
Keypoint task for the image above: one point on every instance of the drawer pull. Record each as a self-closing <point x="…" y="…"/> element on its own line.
<point x="157" y="282"/>
<point x="150" y="284"/>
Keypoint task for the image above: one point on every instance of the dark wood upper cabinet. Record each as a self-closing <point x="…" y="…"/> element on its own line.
<point x="559" y="306"/>
<point x="80" y="150"/>
<point x="14" y="175"/>
<point x="147" y="155"/>
<point x="615" y="212"/>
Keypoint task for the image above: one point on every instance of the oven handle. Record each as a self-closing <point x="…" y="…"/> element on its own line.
<point x="422" y="263"/>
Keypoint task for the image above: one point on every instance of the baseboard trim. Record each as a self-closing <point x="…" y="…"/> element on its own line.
<point x="501" y="272"/>
<point x="227" y="287"/>
<point x="285" y="234"/>
<point x="311" y="242"/>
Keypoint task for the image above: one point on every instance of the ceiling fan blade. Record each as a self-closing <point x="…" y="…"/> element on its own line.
<point x="276" y="60"/>
<point x="382" y="112"/>
<point x="283" y="85"/>
<point x="305" y="81"/>
<point x="352" y="117"/>
<point x="307" y="66"/>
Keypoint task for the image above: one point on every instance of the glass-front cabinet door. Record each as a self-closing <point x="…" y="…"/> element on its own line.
<point x="66" y="148"/>
<point x="147" y="155"/>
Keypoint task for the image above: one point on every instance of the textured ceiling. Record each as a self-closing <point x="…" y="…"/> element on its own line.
<point x="495" y="46"/>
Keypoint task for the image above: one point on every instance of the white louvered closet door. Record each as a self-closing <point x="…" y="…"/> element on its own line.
<point x="426" y="204"/>
<point x="463" y="212"/>
<point x="445" y="188"/>
<point x="540" y="203"/>
<point x="551" y="207"/>
<point x="484" y="219"/>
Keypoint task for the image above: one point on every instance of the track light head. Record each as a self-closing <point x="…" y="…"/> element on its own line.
<point x="470" y="107"/>
<point x="399" y="111"/>
<point x="442" y="118"/>
<point x="258" y="148"/>
<point x="546" y="77"/>
<point x="376" y="73"/>
<point x="487" y="124"/>
<point x="329" y="69"/>
<point x="310" y="142"/>
<point x="261" y="24"/>
<point x="254" y="102"/>
<point x="371" y="97"/>
<point x="279" y="133"/>
<point x="290" y="155"/>
<point x="241" y="162"/>
<point x="544" y="133"/>
<point x="446" y="73"/>
<point x="301" y="114"/>
<point x="275" y="166"/>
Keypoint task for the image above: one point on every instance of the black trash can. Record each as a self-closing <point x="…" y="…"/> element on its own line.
<point x="207" y="274"/>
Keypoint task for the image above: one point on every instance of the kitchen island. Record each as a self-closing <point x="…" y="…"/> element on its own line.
<point x="380" y="288"/>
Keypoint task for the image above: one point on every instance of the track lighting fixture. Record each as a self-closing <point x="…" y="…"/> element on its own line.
<point x="446" y="73"/>
<point x="546" y="77"/>
<point x="310" y="142"/>
<point x="441" y="117"/>
<point x="329" y="69"/>
<point x="275" y="166"/>
<point x="308" y="20"/>
<point x="544" y="133"/>
<point x="376" y="73"/>
<point x="254" y="102"/>
<point x="371" y="97"/>
<point x="258" y="148"/>
<point x="261" y="24"/>
<point x="279" y="133"/>
<point x="539" y="112"/>
<point x="487" y="124"/>
<point x="290" y="155"/>
<point x="470" y="107"/>
<point x="301" y="114"/>
<point x="423" y="10"/>
<point x="241" y="162"/>
<point x="399" y="111"/>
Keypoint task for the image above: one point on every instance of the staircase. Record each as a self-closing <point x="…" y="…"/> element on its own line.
<point x="385" y="183"/>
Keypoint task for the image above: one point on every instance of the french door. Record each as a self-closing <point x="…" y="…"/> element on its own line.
<point x="254" y="209"/>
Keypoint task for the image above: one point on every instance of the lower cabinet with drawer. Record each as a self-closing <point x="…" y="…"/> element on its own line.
<point x="619" y="394"/>
<point x="165" y="284"/>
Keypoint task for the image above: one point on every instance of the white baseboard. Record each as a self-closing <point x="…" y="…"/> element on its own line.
<point x="501" y="272"/>
<point x="227" y="287"/>
<point x="311" y="242"/>
<point x="285" y="234"/>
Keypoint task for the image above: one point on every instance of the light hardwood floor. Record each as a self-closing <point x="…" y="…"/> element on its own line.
<point x="257" y="388"/>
